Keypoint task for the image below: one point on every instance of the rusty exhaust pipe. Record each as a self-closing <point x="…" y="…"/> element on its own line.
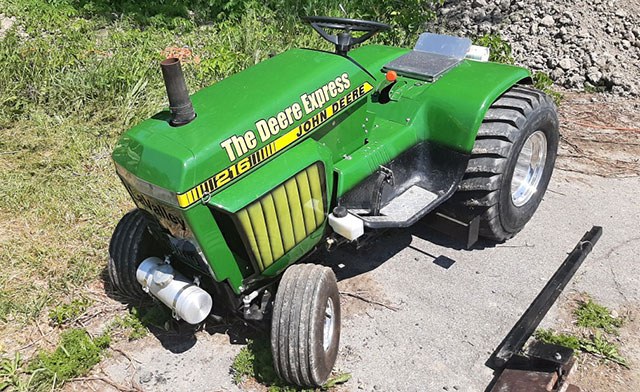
<point x="182" y="112"/>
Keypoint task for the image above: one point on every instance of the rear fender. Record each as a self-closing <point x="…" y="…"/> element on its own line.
<point x="458" y="102"/>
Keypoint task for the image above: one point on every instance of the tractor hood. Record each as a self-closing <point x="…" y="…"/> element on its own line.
<point x="242" y="121"/>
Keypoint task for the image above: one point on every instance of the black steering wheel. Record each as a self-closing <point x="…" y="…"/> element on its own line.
<point x="345" y="41"/>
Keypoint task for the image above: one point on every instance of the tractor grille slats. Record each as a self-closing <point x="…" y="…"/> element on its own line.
<point x="274" y="224"/>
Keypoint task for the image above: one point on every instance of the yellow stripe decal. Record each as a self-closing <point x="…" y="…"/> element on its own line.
<point x="248" y="163"/>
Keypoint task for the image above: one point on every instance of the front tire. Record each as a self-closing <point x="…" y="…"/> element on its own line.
<point x="510" y="165"/>
<point x="130" y="244"/>
<point x="305" y="328"/>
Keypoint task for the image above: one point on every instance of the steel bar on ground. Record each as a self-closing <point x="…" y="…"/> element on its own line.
<point x="522" y="330"/>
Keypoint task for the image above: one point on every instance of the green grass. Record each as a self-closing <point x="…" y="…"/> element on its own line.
<point x="74" y="356"/>
<point x="64" y="313"/>
<point x="552" y="337"/>
<point x="255" y="361"/>
<point x="595" y="319"/>
<point x="543" y="82"/>
<point x="11" y="374"/>
<point x="138" y="320"/>
<point x="591" y="315"/>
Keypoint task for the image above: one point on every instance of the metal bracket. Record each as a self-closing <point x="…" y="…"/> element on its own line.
<point x="254" y="311"/>
<point x="385" y="176"/>
<point x="466" y="232"/>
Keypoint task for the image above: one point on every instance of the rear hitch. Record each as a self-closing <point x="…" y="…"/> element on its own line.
<point x="465" y="232"/>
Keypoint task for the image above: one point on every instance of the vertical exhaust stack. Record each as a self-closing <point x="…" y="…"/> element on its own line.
<point x="179" y="102"/>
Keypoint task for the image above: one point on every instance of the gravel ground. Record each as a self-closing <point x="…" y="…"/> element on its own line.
<point x="436" y="312"/>
<point x="577" y="42"/>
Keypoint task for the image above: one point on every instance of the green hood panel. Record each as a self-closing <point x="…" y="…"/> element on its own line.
<point x="150" y="155"/>
<point x="240" y="115"/>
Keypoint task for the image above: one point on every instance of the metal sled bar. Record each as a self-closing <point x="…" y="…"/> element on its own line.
<point x="530" y="320"/>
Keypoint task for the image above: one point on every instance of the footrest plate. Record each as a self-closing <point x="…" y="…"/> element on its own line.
<point x="402" y="208"/>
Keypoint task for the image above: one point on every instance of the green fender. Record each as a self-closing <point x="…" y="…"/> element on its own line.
<point x="452" y="108"/>
<point x="458" y="102"/>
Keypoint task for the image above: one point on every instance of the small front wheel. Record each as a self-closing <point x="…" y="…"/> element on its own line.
<point x="305" y="329"/>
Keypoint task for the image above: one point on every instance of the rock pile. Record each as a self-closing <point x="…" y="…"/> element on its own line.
<point x="577" y="42"/>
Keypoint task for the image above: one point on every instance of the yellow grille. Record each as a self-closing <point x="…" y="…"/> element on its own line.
<point x="281" y="219"/>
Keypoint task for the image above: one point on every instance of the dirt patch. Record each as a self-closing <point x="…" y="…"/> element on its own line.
<point x="361" y="293"/>
<point x="593" y="374"/>
<point x="600" y="135"/>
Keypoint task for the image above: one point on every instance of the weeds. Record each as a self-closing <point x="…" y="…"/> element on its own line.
<point x="11" y="374"/>
<point x="551" y="337"/>
<point x="67" y="312"/>
<point x="500" y="50"/>
<point x="131" y="323"/>
<point x="543" y="82"/>
<point x="594" y="344"/>
<point x="592" y="315"/>
<point x="588" y="87"/>
<point x="254" y="360"/>
<point x="599" y="346"/>
<point x="77" y="352"/>
<point x="138" y="321"/>
<point x="75" y="355"/>
<point x="589" y="315"/>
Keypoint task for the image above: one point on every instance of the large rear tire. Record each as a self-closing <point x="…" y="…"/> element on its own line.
<point x="130" y="244"/>
<point x="305" y="328"/>
<point x="510" y="165"/>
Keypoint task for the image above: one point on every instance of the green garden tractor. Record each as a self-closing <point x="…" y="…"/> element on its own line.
<point x="237" y="183"/>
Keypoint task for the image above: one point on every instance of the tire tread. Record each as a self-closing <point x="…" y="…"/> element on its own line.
<point x="479" y="191"/>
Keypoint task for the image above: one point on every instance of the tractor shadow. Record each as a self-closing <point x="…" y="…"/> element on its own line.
<point x="348" y="261"/>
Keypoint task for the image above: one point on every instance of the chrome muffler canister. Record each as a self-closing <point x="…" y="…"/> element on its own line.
<point x="188" y="301"/>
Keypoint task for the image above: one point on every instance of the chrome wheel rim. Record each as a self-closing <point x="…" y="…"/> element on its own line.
<point x="529" y="168"/>
<point x="327" y="334"/>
